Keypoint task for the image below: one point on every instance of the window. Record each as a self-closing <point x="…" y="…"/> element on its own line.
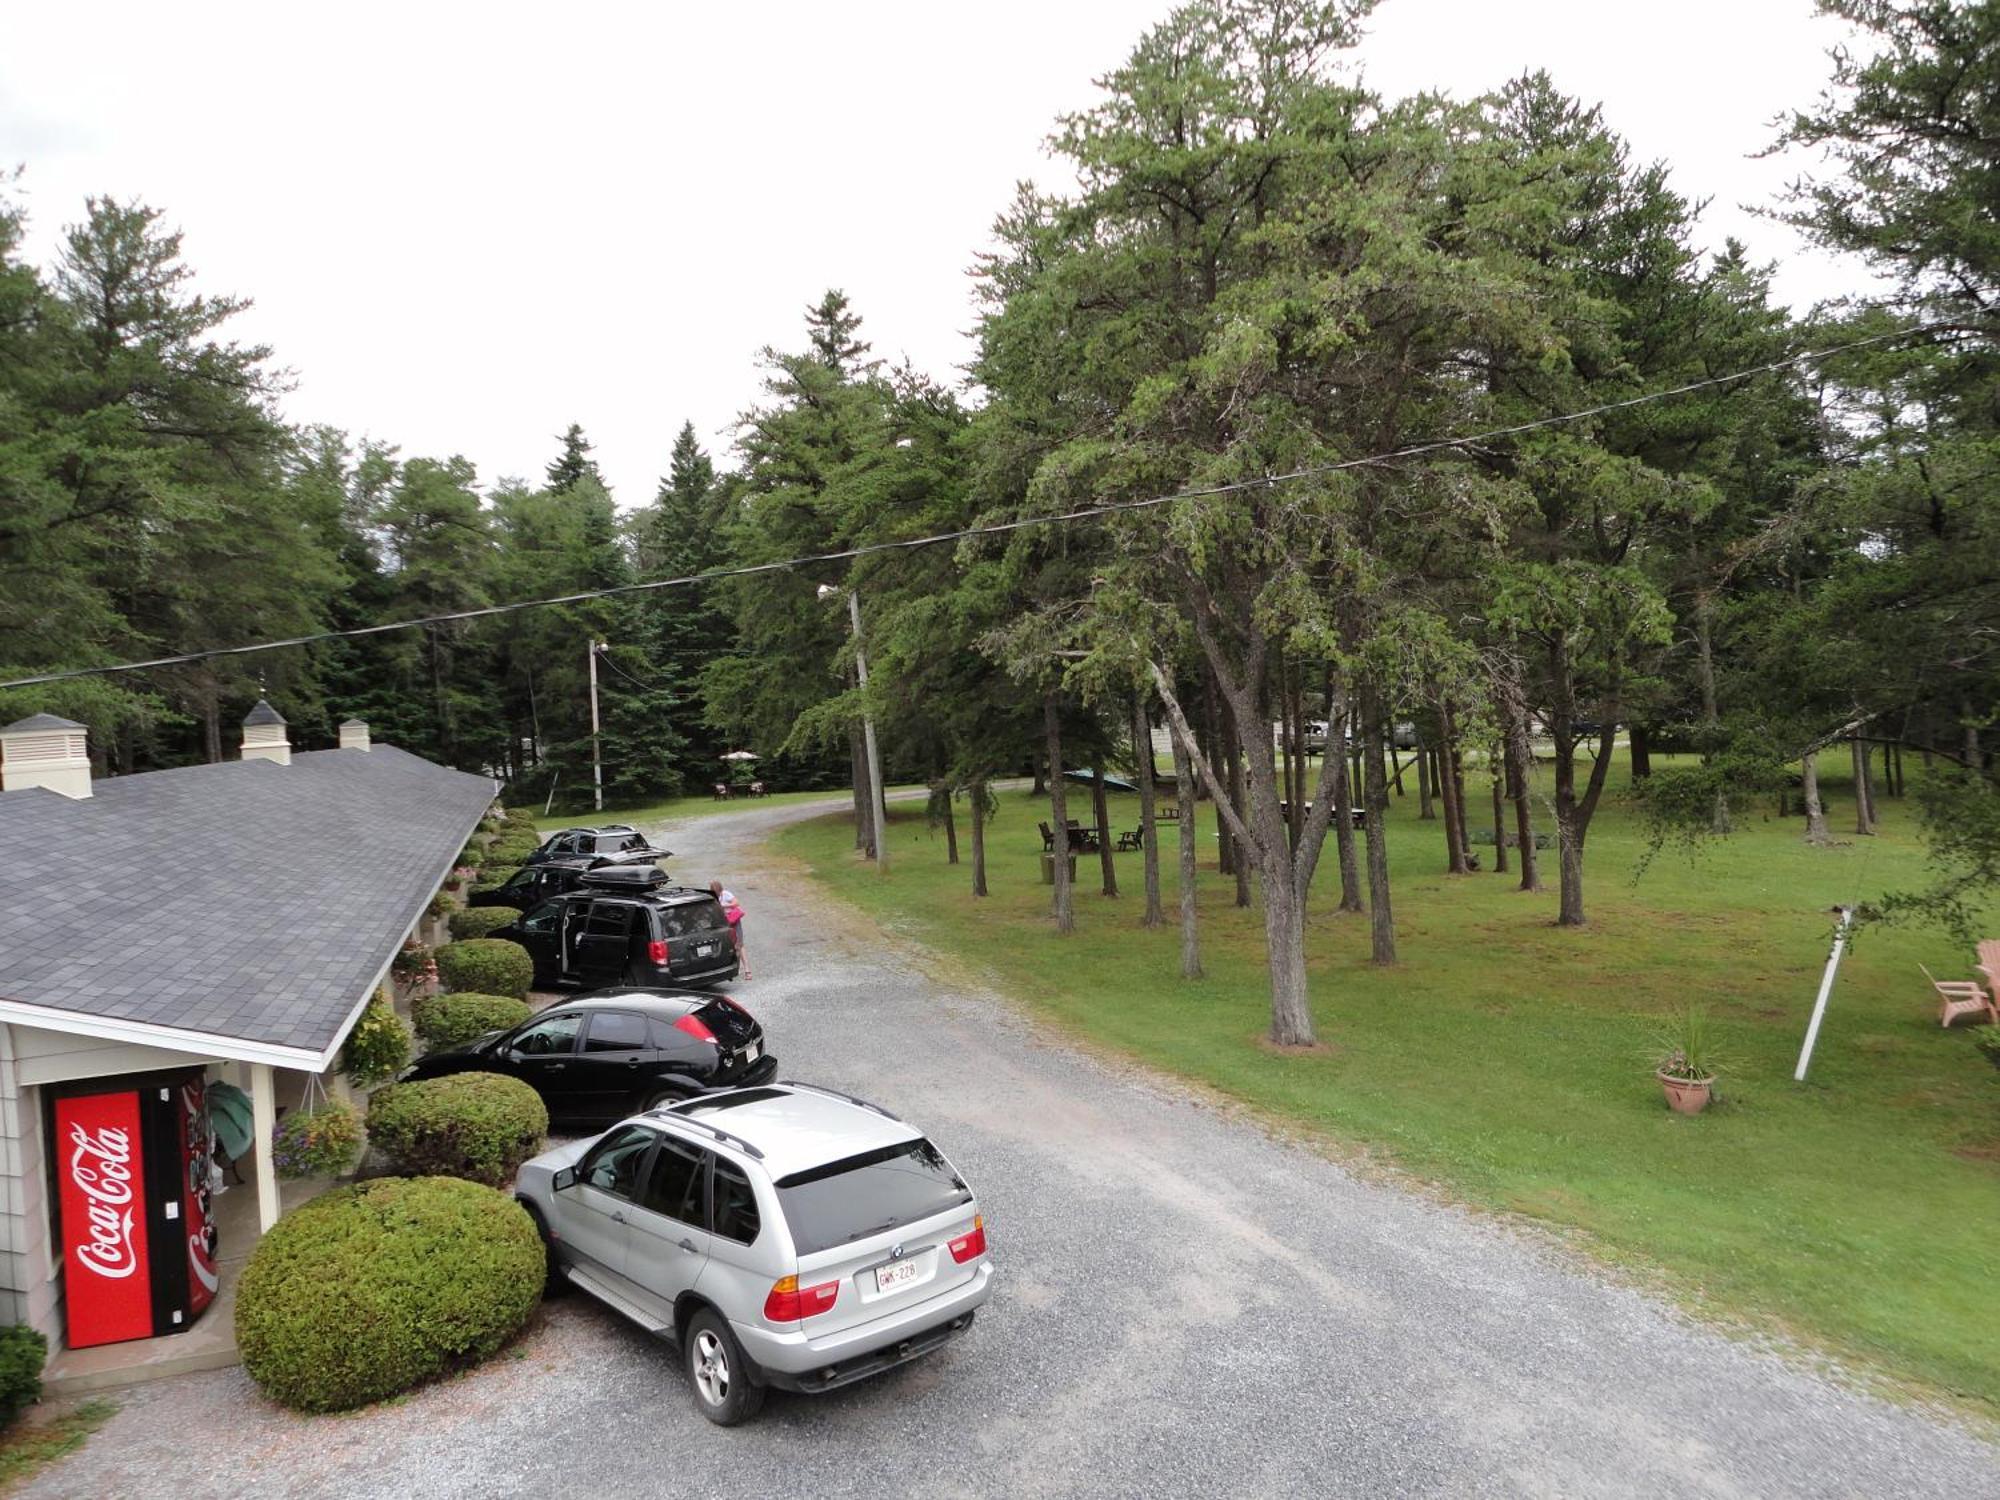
<point x="630" y="842"/>
<point x="868" y="1194"/>
<point x="674" y="1183"/>
<point x="612" y="919"/>
<point x="542" y="919"/>
<point x="615" y="1031"/>
<point x="614" y="1165"/>
<point x="520" y="880"/>
<point x="691" y="917"/>
<point x="735" y="1204"/>
<point x="548" y="1037"/>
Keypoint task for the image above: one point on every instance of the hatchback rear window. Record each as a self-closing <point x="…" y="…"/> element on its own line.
<point x="870" y="1194"/>
<point x="688" y="918"/>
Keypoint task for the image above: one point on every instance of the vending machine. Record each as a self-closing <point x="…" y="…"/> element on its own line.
<point x="131" y="1158"/>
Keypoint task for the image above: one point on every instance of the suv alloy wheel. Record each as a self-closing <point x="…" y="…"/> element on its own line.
<point x="717" y="1371"/>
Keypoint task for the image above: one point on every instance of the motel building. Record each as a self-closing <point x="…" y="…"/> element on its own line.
<point x="161" y="934"/>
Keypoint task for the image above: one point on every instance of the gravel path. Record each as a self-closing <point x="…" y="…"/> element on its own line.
<point x="1185" y="1307"/>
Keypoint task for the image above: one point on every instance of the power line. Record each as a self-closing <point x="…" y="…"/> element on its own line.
<point x="993" y="528"/>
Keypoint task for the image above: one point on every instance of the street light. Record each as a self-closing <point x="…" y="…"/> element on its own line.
<point x="878" y="814"/>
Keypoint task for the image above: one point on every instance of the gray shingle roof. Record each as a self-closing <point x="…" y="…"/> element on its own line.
<point x="246" y="900"/>
<point x="39" y="721"/>
<point x="263" y="713"/>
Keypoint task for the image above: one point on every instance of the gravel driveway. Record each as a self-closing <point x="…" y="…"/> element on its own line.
<point x="1184" y="1307"/>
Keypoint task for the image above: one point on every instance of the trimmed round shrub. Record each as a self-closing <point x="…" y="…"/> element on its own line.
<point x="448" y="1020"/>
<point x="519" y="819"/>
<point x="379" y="1045"/>
<point x="321" y="1142"/>
<point x="477" y="921"/>
<point x="480" y="1126"/>
<point x="22" y="1355"/>
<point x="486" y="966"/>
<point x="365" y="1291"/>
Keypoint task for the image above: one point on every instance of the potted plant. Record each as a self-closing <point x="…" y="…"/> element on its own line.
<point x="1687" y="1063"/>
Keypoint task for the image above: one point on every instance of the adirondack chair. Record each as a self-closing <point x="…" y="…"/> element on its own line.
<point x="1989" y="965"/>
<point x="1048" y="838"/>
<point x="1136" y="839"/>
<point x="1961" y="997"/>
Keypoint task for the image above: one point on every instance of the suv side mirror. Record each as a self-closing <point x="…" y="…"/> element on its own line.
<point x="565" y="1177"/>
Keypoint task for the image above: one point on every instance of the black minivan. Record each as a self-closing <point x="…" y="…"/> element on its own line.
<point x="611" y="931"/>
<point x="533" y="884"/>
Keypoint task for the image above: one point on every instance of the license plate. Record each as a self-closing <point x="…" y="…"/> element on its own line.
<point x="902" y="1273"/>
<point x="704" y="950"/>
<point x="752" y="1052"/>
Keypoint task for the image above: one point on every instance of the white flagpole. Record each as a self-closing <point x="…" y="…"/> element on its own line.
<point x="1825" y="991"/>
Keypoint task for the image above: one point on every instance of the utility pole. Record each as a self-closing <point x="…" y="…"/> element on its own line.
<point x="596" y="760"/>
<point x="879" y="806"/>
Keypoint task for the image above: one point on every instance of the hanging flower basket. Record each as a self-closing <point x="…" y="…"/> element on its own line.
<point x="321" y="1139"/>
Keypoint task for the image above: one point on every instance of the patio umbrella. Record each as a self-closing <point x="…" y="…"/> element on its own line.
<point x="739" y="755"/>
<point x="229" y="1112"/>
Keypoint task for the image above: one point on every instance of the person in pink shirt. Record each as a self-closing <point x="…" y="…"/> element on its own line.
<point x="732" y="911"/>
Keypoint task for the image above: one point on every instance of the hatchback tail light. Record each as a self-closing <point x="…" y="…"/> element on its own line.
<point x="969" y="1246"/>
<point x="694" y="1027"/>
<point x="656" y="952"/>
<point x="788" y="1304"/>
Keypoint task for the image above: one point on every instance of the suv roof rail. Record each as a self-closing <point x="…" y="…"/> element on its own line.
<point x="820" y="1088"/>
<point x="715" y="1130"/>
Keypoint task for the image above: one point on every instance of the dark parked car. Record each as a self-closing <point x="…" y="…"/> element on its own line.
<point x="575" y="843"/>
<point x="625" y="925"/>
<point x="534" y="884"/>
<point x="609" y="1055"/>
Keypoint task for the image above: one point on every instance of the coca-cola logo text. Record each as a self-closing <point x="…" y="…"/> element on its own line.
<point x="100" y="1165"/>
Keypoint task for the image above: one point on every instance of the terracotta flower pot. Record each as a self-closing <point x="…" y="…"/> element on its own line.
<point x="1686" y="1096"/>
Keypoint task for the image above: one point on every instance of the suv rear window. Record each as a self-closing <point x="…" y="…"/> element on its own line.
<point x="684" y="919"/>
<point x="863" y="1195"/>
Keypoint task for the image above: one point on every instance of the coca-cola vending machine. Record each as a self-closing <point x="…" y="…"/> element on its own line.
<point x="131" y="1158"/>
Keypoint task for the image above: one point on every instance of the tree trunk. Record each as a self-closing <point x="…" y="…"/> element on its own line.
<point x="1519" y="756"/>
<point x="1064" y="906"/>
<point x="1101" y="814"/>
<point x="1395" y="763"/>
<point x="1864" y="821"/>
<point x="1040" y="769"/>
<point x="1451" y="793"/>
<point x="1184" y="795"/>
<point x="1424" y="809"/>
<point x="1343" y="817"/>
<point x="1499" y="816"/>
<point x="864" y="827"/>
<point x="1816" y="829"/>
<point x="1375" y="793"/>
<point x="1232" y="734"/>
<point x="211" y="727"/>
<point x="950" y="830"/>
<point x="1642" y="751"/>
<point x="979" y="836"/>
<point x="1225" y="846"/>
<point x="1149" y="838"/>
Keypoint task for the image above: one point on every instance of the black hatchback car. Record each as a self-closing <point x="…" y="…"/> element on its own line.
<point x="613" y="1054"/>
<point x="625" y="925"/>
<point x="576" y="843"/>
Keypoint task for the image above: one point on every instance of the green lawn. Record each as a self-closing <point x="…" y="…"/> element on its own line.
<point x="1509" y="1061"/>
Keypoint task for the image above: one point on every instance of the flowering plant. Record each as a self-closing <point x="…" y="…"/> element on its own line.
<point x="377" y="1047"/>
<point x="414" y="964"/>
<point x="321" y="1142"/>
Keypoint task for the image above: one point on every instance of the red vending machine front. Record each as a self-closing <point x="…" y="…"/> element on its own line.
<point x="131" y="1159"/>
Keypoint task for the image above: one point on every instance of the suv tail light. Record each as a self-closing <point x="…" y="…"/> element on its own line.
<point x="787" y="1304"/>
<point x="656" y="952"/>
<point x="969" y="1246"/>
<point x="694" y="1027"/>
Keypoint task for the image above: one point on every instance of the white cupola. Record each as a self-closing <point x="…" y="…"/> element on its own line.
<point x="264" y="736"/>
<point x="43" y="750"/>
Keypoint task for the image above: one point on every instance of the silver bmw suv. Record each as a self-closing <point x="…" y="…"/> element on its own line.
<point x="784" y="1235"/>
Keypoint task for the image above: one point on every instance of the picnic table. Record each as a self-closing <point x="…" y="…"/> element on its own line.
<point x="1356" y="815"/>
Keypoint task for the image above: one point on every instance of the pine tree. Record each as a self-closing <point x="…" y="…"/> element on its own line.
<point x="574" y="464"/>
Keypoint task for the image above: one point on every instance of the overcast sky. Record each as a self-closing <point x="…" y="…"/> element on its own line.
<point x="466" y="226"/>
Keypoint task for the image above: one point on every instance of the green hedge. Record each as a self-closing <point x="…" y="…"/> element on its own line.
<point x="486" y="966"/>
<point x="448" y="1020"/>
<point x="477" y="921"/>
<point x="22" y="1354"/>
<point x="479" y="1126"/>
<point x="366" y="1291"/>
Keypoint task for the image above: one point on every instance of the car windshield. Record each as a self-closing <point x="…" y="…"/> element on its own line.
<point x="863" y="1195"/>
